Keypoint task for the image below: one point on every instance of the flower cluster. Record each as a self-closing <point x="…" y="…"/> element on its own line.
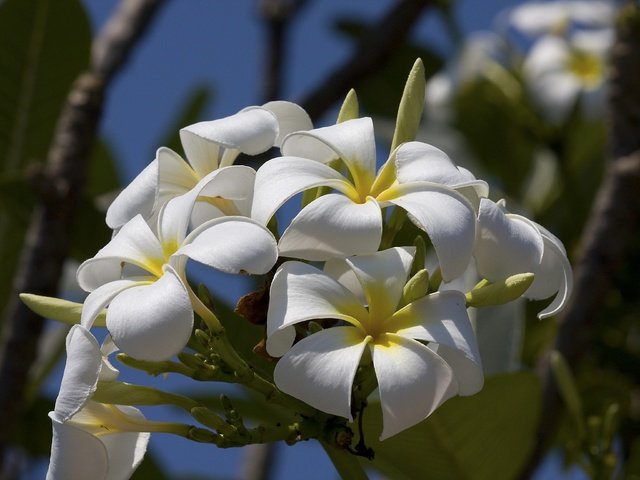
<point x="346" y="297"/>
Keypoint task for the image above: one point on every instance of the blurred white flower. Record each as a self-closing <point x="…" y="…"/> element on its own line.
<point x="560" y="72"/>
<point x="536" y="18"/>
<point x="414" y="377"/>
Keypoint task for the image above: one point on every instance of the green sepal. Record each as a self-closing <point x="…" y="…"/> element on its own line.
<point x="417" y="287"/>
<point x="411" y="106"/>
<point x="486" y="293"/>
<point x="60" y="310"/>
<point x="121" y="393"/>
<point x="569" y="391"/>
<point x="350" y="108"/>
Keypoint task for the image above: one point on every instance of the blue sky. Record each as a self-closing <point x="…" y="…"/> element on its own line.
<point x="219" y="44"/>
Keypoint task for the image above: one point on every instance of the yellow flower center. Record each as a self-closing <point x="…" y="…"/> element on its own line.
<point x="588" y="68"/>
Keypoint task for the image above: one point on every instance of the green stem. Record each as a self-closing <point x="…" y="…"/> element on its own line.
<point x="154" y="368"/>
<point x="398" y="216"/>
<point x="121" y="393"/>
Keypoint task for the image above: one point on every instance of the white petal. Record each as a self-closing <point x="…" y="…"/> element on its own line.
<point x="175" y="175"/>
<point x="412" y="380"/>
<point x="76" y="454"/>
<point x="80" y="373"/>
<point x="538" y="17"/>
<point x="137" y="198"/>
<point x="301" y="292"/>
<point x="333" y="226"/>
<point x="442" y="318"/>
<point x="319" y="369"/>
<point x="556" y="270"/>
<point x="352" y="141"/>
<point x="383" y="276"/>
<point x="291" y="118"/>
<point x="250" y="131"/>
<point x="281" y="178"/>
<point x="232" y="245"/>
<point x="125" y="449"/>
<point x="506" y="245"/>
<point x="152" y="322"/>
<point x="446" y="216"/>
<point x="417" y="161"/>
<point x="135" y="244"/>
<point x="101" y="297"/>
<point x="341" y="271"/>
<point x="108" y="372"/>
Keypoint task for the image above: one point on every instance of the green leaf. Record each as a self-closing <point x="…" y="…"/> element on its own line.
<point x="411" y="106"/>
<point x="44" y="45"/>
<point x="191" y="112"/>
<point x="468" y="438"/>
<point x="57" y="309"/>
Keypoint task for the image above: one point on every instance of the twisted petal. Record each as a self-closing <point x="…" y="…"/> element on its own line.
<point x="232" y="245"/>
<point x="250" y="131"/>
<point x="76" y="454"/>
<point x="319" y="369"/>
<point x="445" y="215"/>
<point x="301" y="292"/>
<point x="442" y="318"/>
<point x="137" y="198"/>
<point x="413" y="381"/>
<point x="333" y="226"/>
<point x="152" y="322"/>
<point x="102" y="296"/>
<point x="417" y="161"/>
<point x="80" y="375"/>
<point x="135" y="244"/>
<point x="352" y="141"/>
<point x="383" y="276"/>
<point x="175" y="175"/>
<point x="281" y="178"/>
<point x="291" y="118"/>
<point x="126" y="451"/>
<point x="506" y="245"/>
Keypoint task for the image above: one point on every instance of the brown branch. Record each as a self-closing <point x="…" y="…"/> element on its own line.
<point x="612" y="224"/>
<point x="277" y="15"/>
<point x="49" y="234"/>
<point x="258" y="461"/>
<point x="373" y="50"/>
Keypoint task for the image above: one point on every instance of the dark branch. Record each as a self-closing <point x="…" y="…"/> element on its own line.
<point x="373" y="50"/>
<point x="612" y="224"/>
<point x="49" y="234"/>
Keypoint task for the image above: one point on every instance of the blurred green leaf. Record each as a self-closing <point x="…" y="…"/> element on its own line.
<point x="488" y="435"/>
<point x="195" y="104"/>
<point x="44" y="45"/>
<point x="499" y="131"/>
<point x="381" y="91"/>
<point x="149" y="469"/>
<point x="34" y="430"/>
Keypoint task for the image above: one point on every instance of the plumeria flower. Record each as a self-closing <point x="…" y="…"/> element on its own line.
<point x="91" y="439"/>
<point x="508" y="244"/>
<point x="423" y="353"/>
<point x="536" y="18"/>
<point x="141" y="275"/>
<point x="417" y="177"/>
<point x="558" y="72"/>
<point x="209" y="146"/>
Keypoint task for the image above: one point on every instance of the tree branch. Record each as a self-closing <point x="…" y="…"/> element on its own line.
<point x="49" y="234"/>
<point x="612" y="224"/>
<point x="373" y="50"/>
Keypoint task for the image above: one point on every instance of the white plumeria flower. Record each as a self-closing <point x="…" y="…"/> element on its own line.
<point x="558" y="72"/>
<point x="417" y="177"/>
<point x="413" y="378"/>
<point x="209" y="146"/>
<point x="508" y="244"/>
<point x="91" y="439"/>
<point x="536" y="18"/>
<point x="141" y="275"/>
